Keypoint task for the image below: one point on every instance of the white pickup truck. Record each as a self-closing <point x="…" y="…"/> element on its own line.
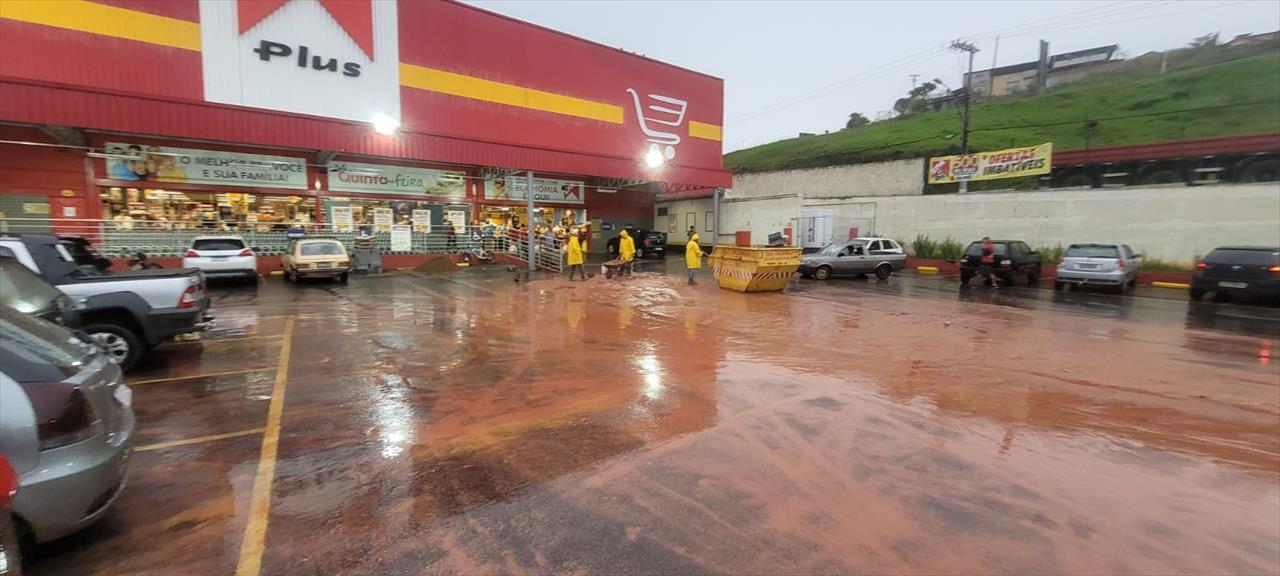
<point x="127" y="312"/>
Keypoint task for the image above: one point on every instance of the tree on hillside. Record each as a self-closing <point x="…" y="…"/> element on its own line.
<point x="856" y="121"/>
<point x="917" y="99"/>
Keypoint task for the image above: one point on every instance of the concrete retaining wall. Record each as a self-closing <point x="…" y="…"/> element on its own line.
<point x="1173" y="223"/>
<point x="894" y="178"/>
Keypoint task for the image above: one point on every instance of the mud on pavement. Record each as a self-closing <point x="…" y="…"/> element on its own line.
<point x="469" y="424"/>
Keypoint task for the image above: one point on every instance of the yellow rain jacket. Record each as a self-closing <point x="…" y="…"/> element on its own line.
<point x="626" y="247"/>
<point x="573" y="251"/>
<point x="693" y="253"/>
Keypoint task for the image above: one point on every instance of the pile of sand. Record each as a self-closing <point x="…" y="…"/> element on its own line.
<point x="437" y="265"/>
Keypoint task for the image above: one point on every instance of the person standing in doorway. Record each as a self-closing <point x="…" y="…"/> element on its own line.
<point x="987" y="262"/>
<point x="573" y="256"/>
<point x="627" y="251"/>
<point x="693" y="256"/>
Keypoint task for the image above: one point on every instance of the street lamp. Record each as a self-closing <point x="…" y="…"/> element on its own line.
<point x="384" y="124"/>
<point x="654" y="158"/>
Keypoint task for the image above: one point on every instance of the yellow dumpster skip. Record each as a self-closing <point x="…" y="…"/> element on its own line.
<point x="752" y="269"/>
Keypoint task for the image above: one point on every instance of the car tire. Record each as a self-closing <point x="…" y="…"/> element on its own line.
<point x="10" y="542"/>
<point x="1197" y="295"/>
<point x="287" y="276"/>
<point x="884" y="271"/>
<point x="965" y="277"/>
<point x="1033" y="278"/>
<point x="120" y="343"/>
<point x="343" y="278"/>
<point x="1059" y="285"/>
<point x="822" y="273"/>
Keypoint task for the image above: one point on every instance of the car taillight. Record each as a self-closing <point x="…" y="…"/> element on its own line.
<point x="1201" y="266"/>
<point x="63" y="413"/>
<point x="191" y="253"/>
<point x="245" y="252"/>
<point x="1274" y="270"/>
<point x="1120" y="263"/>
<point x="188" y="298"/>
<point x="344" y="262"/>
<point x="8" y="483"/>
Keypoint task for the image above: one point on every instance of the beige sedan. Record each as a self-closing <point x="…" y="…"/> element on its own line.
<point x="316" y="257"/>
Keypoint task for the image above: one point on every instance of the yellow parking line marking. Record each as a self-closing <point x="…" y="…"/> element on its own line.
<point x="197" y="440"/>
<point x="927" y="269"/>
<point x="194" y="376"/>
<point x="255" y="532"/>
<point x="239" y="338"/>
<point x="1170" y="285"/>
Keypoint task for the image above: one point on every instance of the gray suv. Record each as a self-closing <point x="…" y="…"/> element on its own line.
<point x="66" y="425"/>
<point x="1114" y="266"/>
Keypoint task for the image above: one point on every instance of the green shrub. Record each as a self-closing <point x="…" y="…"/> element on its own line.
<point x="950" y="249"/>
<point x="924" y="247"/>
<point x="1050" y="255"/>
<point x="1158" y="265"/>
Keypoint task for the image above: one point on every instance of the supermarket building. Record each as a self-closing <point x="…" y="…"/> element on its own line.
<point x="266" y="114"/>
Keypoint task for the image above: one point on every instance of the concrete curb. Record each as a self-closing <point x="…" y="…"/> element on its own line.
<point x="927" y="269"/>
<point x="1176" y="285"/>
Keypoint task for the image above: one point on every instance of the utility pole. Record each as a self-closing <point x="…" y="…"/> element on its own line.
<point x="913" y="81"/>
<point x="995" y="53"/>
<point x="968" y="100"/>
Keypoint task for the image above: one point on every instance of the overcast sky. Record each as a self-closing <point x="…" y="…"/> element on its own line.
<point x="793" y="67"/>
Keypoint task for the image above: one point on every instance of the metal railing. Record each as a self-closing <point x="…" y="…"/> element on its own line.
<point x="159" y="239"/>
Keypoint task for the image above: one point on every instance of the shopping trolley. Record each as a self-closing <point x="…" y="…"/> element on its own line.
<point x="664" y="111"/>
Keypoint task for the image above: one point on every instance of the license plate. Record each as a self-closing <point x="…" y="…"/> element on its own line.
<point x="325" y="265"/>
<point x="1086" y="266"/>
<point x="1233" y="284"/>
<point x="219" y="257"/>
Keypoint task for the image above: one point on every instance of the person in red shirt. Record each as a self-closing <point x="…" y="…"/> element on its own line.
<point x="987" y="262"/>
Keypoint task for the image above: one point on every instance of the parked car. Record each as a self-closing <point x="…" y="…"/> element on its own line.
<point x="861" y="256"/>
<point x="1238" y="271"/>
<point x="27" y="292"/>
<point x="66" y="426"/>
<point x="1013" y="258"/>
<point x="10" y="555"/>
<point x="648" y="243"/>
<point x="221" y="257"/>
<point x="1098" y="264"/>
<point x="83" y="253"/>
<point x="128" y="312"/>
<point x="316" y="257"/>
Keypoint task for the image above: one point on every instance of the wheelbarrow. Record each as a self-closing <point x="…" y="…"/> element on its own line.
<point x="612" y="268"/>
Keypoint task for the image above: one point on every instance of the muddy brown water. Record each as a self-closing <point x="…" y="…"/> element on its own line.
<point x="468" y="424"/>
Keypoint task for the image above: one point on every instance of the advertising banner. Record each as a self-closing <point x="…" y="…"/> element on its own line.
<point x="401" y="238"/>
<point x="422" y="221"/>
<point x="342" y="219"/>
<point x="1011" y="163"/>
<point x="457" y="219"/>
<point x="139" y="162"/>
<point x="382" y="179"/>
<point x="382" y="219"/>
<point x="544" y="190"/>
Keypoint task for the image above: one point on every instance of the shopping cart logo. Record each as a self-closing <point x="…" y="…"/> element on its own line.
<point x="662" y="113"/>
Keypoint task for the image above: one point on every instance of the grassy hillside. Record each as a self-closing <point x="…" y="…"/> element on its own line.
<point x="1059" y="115"/>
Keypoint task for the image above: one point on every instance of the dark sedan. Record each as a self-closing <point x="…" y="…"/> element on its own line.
<point x="1252" y="271"/>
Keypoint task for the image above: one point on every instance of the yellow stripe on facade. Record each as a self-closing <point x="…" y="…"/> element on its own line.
<point x="106" y="20"/>
<point x="433" y="80"/>
<point x="704" y="131"/>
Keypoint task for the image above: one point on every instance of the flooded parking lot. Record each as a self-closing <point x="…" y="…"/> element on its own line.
<point x="466" y="423"/>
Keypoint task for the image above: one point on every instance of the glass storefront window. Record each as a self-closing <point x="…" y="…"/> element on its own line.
<point x="362" y="210"/>
<point x="171" y="209"/>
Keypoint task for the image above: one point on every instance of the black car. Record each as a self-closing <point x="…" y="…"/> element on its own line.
<point x="1238" y="271"/>
<point x="648" y="243"/>
<point x="83" y="253"/>
<point x="1012" y="258"/>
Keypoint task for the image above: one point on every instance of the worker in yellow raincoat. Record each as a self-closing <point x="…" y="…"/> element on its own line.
<point x="627" y="250"/>
<point x="693" y="256"/>
<point x="573" y="256"/>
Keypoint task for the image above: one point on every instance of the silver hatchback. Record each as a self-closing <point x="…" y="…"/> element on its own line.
<point x="66" y="425"/>
<point x="1098" y="264"/>
<point x="859" y="256"/>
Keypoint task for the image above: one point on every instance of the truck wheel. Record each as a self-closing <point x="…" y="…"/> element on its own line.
<point x="822" y="273"/>
<point x="884" y="271"/>
<point x="120" y="343"/>
<point x="1076" y="180"/>
<point x="1261" y="171"/>
<point x="1162" y="177"/>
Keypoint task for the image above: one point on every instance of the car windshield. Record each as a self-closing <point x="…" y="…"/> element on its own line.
<point x="37" y="341"/>
<point x="1092" y="251"/>
<point x="23" y="289"/>
<point x="321" y="249"/>
<point x="1245" y="257"/>
<point x="218" y="244"/>
<point x="831" y="249"/>
<point x="975" y="249"/>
